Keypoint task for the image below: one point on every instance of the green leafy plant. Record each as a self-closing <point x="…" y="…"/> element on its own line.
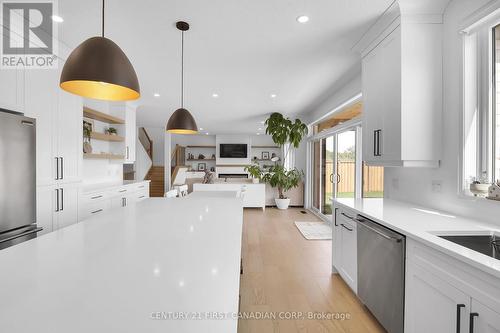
<point x="254" y="170"/>
<point x="283" y="179"/>
<point x="87" y="133"/>
<point x="111" y="131"/>
<point x="283" y="130"/>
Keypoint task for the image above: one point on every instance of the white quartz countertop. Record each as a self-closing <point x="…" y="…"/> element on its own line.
<point x="424" y="224"/>
<point x="87" y="188"/>
<point x="134" y="269"/>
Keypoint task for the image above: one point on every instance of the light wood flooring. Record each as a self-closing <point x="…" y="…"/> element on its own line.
<point x="284" y="273"/>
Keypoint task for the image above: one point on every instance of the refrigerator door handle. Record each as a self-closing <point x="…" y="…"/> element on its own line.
<point x="62" y="168"/>
<point x="21" y="235"/>
<point x="62" y="199"/>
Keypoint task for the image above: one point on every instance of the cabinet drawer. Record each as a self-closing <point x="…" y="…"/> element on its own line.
<point x="142" y="195"/>
<point x="94" y="197"/>
<point x="120" y="191"/>
<point x="141" y="186"/>
<point x="94" y="208"/>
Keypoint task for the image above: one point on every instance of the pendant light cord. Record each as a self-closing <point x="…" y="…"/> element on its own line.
<point x="102" y="18"/>
<point x="182" y="69"/>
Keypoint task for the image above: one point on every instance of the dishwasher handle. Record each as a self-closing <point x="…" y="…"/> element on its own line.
<point x="364" y="223"/>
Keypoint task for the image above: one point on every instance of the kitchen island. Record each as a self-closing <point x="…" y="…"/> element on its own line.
<point x="162" y="265"/>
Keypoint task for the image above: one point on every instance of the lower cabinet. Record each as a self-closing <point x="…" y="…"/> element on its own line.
<point x="345" y="252"/>
<point x="57" y="206"/>
<point x="97" y="202"/>
<point x="443" y="296"/>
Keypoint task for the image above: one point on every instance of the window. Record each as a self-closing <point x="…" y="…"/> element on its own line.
<point x="481" y="104"/>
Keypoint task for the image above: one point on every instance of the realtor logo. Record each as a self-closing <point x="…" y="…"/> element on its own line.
<point x="28" y="38"/>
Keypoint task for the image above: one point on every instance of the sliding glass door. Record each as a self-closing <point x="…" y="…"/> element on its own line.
<point x="334" y="168"/>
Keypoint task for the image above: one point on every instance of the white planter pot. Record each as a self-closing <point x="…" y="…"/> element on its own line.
<point x="255" y="180"/>
<point x="282" y="203"/>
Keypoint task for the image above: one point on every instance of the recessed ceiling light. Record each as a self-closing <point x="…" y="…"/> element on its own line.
<point x="258" y="133"/>
<point x="215" y="95"/>
<point x="303" y="19"/>
<point x="273" y="95"/>
<point x="260" y="129"/>
<point x="156" y="95"/>
<point x="201" y="129"/>
<point x="57" y="19"/>
<point x="263" y="122"/>
<point x="207" y="133"/>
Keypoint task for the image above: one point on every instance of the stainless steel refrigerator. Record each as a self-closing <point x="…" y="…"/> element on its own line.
<point x="17" y="178"/>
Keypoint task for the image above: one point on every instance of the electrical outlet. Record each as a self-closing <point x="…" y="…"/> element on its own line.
<point x="437" y="186"/>
<point x="395" y="183"/>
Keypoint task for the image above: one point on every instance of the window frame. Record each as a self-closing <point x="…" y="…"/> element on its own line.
<point x="478" y="98"/>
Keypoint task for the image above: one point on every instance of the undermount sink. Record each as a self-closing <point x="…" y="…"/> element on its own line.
<point x="485" y="244"/>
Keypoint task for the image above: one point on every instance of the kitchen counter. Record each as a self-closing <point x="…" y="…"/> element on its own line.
<point x="141" y="268"/>
<point x="89" y="188"/>
<point x="423" y="225"/>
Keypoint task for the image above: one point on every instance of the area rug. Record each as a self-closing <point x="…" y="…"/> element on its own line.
<point x="314" y="230"/>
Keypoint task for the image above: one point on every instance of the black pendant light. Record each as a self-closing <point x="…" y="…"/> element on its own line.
<point x="181" y="121"/>
<point x="99" y="69"/>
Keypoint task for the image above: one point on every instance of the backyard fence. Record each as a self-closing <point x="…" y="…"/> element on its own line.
<point x="373" y="177"/>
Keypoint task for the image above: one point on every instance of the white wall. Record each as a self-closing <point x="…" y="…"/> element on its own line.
<point x="415" y="185"/>
<point x="157" y="135"/>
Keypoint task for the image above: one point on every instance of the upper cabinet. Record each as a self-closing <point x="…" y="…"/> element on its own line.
<point x="402" y="86"/>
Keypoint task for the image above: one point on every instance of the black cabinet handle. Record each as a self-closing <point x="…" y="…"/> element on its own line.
<point x="349" y="229"/>
<point x="349" y="217"/>
<point x="459" y="312"/>
<point x="57" y="199"/>
<point x="62" y="168"/>
<point x="335" y="217"/>
<point x="62" y="199"/>
<point x="375" y="143"/>
<point x="57" y="168"/>
<point x="96" y="211"/>
<point x="471" y="321"/>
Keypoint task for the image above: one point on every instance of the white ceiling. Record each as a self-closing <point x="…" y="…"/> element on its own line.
<point x="243" y="50"/>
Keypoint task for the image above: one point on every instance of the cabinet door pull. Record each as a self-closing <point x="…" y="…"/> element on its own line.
<point x="142" y="186"/>
<point x="142" y="196"/>
<point x="349" y="229"/>
<point x="335" y="217"/>
<point x="121" y="191"/>
<point x="57" y="199"/>
<point x="62" y="199"/>
<point x="375" y="143"/>
<point x="459" y="312"/>
<point x="127" y="153"/>
<point x="344" y="214"/>
<point x="471" y="321"/>
<point x="57" y="168"/>
<point x="62" y="168"/>
<point x="96" y="197"/>
<point x="96" y="211"/>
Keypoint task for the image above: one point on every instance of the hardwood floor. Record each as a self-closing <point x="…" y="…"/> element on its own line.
<point x="286" y="274"/>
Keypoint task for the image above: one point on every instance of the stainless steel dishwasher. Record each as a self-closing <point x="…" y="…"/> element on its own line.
<point x="381" y="273"/>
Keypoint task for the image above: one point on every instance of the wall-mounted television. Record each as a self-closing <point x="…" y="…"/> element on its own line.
<point x="233" y="150"/>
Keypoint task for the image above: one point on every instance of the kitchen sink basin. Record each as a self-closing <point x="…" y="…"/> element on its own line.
<point x="485" y="244"/>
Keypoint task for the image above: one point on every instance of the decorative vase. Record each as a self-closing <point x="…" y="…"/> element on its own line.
<point x="87" y="148"/>
<point x="255" y="180"/>
<point x="282" y="203"/>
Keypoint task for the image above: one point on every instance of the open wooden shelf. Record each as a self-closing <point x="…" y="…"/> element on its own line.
<point x="200" y="147"/>
<point x="100" y="116"/>
<point x="104" y="156"/>
<point x="106" y="137"/>
<point x="201" y="159"/>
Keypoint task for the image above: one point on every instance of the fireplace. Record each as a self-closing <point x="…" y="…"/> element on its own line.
<point x="233" y="175"/>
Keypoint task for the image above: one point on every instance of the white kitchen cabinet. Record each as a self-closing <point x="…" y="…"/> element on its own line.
<point x="345" y="252"/>
<point x="69" y="137"/>
<point x="130" y="133"/>
<point x="442" y="293"/>
<point x="436" y="301"/>
<point x="66" y="212"/>
<point x="102" y="200"/>
<point x="12" y="86"/>
<point x="402" y="94"/>
<point x="45" y="208"/>
<point x="487" y="320"/>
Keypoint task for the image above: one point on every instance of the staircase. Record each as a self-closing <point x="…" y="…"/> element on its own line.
<point x="157" y="177"/>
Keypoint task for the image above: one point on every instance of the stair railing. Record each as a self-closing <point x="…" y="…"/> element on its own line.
<point x="146" y="141"/>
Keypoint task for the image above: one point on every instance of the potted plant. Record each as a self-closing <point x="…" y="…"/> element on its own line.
<point x="111" y="131"/>
<point x="284" y="180"/>
<point x="254" y="171"/>
<point x="284" y="132"/>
